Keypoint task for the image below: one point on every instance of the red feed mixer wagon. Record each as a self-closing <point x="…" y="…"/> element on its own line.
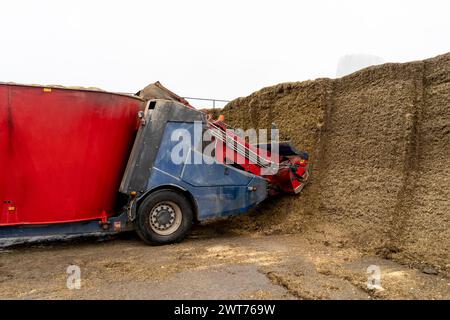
<point x="79" y="161"/>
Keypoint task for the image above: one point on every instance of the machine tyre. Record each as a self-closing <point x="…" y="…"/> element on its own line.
<point x="164" y="217"/>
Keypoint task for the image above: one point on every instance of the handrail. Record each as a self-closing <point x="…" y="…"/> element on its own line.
<point x="206" y="99"/>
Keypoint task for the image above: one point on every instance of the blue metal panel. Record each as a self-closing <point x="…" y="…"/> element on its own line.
<point x="219" y="190"/>
<point x="202" y="175"/>
<point x="22" y="234"/>
<point x="163" y="159"/>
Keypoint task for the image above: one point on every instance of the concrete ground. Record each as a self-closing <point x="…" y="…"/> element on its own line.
<point x="209" y="265"/>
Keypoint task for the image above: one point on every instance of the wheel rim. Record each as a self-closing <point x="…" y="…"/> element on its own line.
<point x="165" y="218"/>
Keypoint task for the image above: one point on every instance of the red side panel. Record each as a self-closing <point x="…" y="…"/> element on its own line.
<point x="62" y="152"/>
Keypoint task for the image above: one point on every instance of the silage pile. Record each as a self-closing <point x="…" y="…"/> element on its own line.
<point x="380" y="144"/>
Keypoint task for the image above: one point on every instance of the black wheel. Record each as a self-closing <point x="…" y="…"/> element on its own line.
<point x="165" y="216"/>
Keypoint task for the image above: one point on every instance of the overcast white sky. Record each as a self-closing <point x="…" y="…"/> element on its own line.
<point x="209" y="48"/>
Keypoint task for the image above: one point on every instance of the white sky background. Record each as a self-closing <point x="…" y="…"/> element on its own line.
<point x="209" y="48"/>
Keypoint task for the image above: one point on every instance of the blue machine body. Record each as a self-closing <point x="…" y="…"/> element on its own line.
<point x="217" y="189"/>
